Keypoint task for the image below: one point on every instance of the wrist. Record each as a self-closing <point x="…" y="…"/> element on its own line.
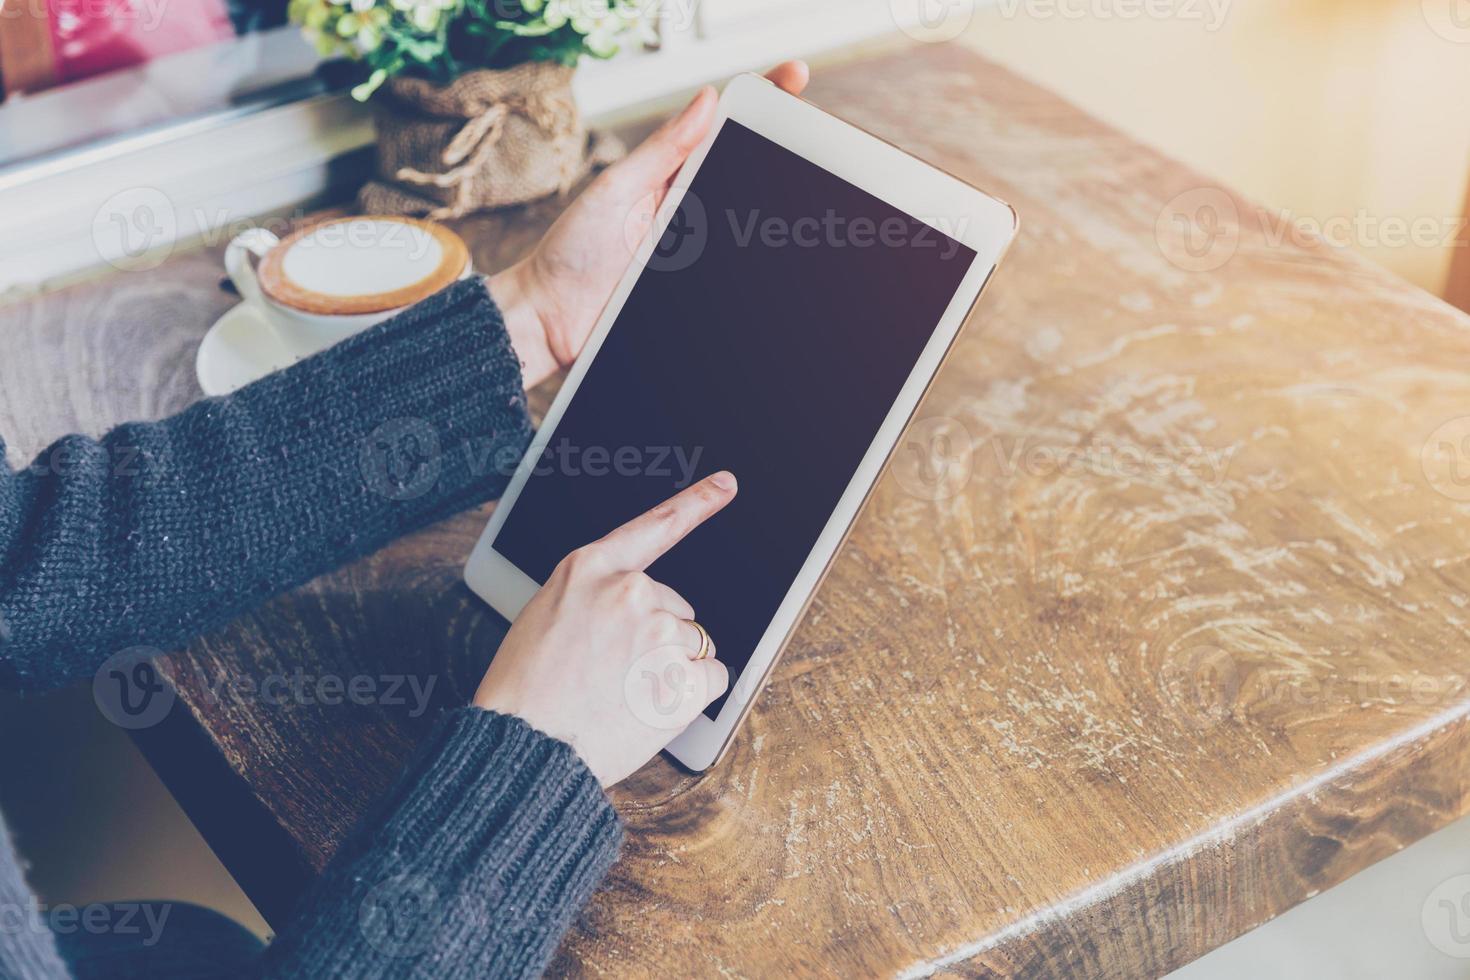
<point x="523" y="325"/>
<point x="511" y="708"/>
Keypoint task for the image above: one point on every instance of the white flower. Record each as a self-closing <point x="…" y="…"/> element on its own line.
<point x="424" y="14"/>
<point x="557" y="13"/>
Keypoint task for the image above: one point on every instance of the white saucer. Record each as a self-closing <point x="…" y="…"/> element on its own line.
<point x="240" y="348"/>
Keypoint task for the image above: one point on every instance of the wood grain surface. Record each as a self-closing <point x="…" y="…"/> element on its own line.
<point x="1156" y="628"/>
<point x="1457" y="290"/>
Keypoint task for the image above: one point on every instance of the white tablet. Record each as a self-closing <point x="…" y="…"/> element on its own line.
<point x="781" y="319"/>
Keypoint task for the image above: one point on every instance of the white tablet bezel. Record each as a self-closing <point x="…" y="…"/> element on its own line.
<point x="965" y="213"/>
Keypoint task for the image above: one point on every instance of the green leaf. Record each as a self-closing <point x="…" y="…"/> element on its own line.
<point x="441" y="42"/>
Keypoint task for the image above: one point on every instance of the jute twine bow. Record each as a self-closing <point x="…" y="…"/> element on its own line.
<point x="553" y="112"/>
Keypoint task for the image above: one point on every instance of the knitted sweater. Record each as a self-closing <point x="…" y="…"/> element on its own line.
<point x="496" y="835"/>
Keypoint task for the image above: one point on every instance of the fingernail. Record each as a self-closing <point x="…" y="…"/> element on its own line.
<point x="724" y="479"/>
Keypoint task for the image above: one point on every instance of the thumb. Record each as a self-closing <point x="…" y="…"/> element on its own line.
<point x="717" y="680"/>
<point x="656" y="159"/>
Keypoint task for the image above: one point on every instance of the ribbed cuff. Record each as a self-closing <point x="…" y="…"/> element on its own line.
<point x="484" y="852"/>
<point x="431" y="403"/>
<point x="498" y="792"/>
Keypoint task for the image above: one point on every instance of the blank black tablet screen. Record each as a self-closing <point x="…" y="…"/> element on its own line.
<point x="769" y="335"/>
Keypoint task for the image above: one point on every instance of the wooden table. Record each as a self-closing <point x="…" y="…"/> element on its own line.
<point x="1174" y="640"/>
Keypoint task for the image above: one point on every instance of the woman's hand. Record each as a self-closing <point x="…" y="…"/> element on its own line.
<point x="602" y="656"/>
<point x="551" y="299"/>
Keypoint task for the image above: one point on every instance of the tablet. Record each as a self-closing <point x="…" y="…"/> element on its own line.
<point x="782" y="317"/>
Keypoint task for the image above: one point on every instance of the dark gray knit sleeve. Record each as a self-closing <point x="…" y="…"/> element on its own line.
<point x="27" y="945"/>
<point x="159" y="531"/>
<point x="475" y="866"/>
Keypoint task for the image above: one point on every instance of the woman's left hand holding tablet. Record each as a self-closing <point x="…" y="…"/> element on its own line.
<point x="551" y="299"/>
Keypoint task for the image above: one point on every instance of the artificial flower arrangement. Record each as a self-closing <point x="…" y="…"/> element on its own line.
<point x="442" y="39"/>
<point x="485" y="85"/>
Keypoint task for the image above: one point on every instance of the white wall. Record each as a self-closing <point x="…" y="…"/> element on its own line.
<point x="1330" y="109"/>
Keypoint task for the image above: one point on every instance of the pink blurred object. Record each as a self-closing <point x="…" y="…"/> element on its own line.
<point x="89" y="37"/>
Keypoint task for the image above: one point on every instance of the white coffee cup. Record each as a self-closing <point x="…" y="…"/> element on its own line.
<point x="331" y="280"/>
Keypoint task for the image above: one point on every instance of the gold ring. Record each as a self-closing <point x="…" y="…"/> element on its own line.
<point x="703" y="641"/>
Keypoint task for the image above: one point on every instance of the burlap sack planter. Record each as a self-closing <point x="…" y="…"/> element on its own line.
<point x="487" y="139"/>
